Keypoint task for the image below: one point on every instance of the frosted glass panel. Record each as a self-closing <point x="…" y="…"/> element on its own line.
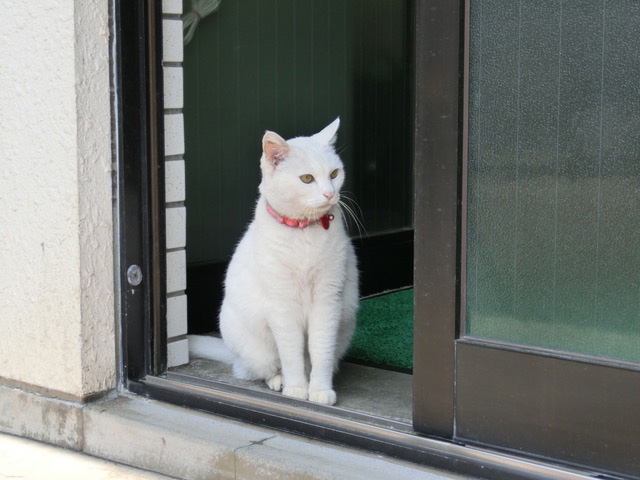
<point x="554" y="175"/>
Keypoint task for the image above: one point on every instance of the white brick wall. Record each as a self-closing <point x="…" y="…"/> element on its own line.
<point x="176" y="227"/>
<point x="176" y="213"/>
<point x="172" y="39"/>
<point x="173" y="134"/>
<point x="176" y="271"/>
<point x="172" y="6"/>
<point x="177" y="315"/>
<point x="174" y="181"/>
<point x="173" y="97"/>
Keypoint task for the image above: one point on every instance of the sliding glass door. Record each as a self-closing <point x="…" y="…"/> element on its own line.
<point x="545" y="353"/>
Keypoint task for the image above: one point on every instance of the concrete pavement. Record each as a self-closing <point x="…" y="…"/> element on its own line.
<point x="30" y="460"/>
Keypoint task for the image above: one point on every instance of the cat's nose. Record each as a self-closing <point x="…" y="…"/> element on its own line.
<point x="328" y="195"/>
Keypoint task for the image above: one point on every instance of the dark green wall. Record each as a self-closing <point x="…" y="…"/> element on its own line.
<point x="292" y="66"/>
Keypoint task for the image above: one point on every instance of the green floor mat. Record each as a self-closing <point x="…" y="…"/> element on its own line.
<point x="384" y="333"/>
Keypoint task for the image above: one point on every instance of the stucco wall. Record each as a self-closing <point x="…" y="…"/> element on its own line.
<point x="56" y="235"/>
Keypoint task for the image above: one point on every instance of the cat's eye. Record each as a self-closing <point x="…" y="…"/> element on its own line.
<point x="334" y="174"/>
<point x="306" y="178"/>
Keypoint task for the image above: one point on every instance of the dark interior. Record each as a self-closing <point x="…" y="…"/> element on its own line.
<point x="293" y="67"/>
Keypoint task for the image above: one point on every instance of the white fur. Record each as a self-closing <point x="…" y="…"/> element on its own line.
<point x="213" y="348"/>
<point x="291" y="294"/>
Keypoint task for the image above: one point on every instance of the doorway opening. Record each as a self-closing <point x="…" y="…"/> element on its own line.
<point x="292" y="68"/>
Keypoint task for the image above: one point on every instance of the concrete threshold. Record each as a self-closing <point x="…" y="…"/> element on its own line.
<point x="189" y="444"/>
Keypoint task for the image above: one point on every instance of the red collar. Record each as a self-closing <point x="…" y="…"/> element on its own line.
<point x="291" y="222"/>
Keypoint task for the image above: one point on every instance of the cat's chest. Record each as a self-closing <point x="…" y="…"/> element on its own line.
<point x="310" y="242"/>
<point x="301" y="250"/>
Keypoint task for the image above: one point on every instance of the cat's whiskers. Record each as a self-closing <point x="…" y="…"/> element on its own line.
<point x="347" y="195"/>
<point x="349" y="213"/>
<point x="309" y="212"/>
<point x="312" y="211"/>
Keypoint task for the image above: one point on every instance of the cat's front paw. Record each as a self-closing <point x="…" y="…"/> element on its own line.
<point x="296" y="392"/>
<point x="275" y="382"/>
<point x="326" y="397"/>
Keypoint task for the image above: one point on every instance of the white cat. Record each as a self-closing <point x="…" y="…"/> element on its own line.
<point x="291" y="290"/>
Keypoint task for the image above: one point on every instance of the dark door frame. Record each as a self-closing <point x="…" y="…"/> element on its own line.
<point x="437" y="226"/>
<point x="138" y="129"/>
<point x="139" y="150"/>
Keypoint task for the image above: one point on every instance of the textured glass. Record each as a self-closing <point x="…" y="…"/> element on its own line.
<point x="293" y="66"/>
<point x="554" y="175"/>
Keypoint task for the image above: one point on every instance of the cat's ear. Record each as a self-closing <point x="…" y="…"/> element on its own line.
<point x="274" y="147"/>
<point x="328" y="134"/>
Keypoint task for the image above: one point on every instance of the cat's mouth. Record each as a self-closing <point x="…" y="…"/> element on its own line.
<point x="326" y="205"/>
